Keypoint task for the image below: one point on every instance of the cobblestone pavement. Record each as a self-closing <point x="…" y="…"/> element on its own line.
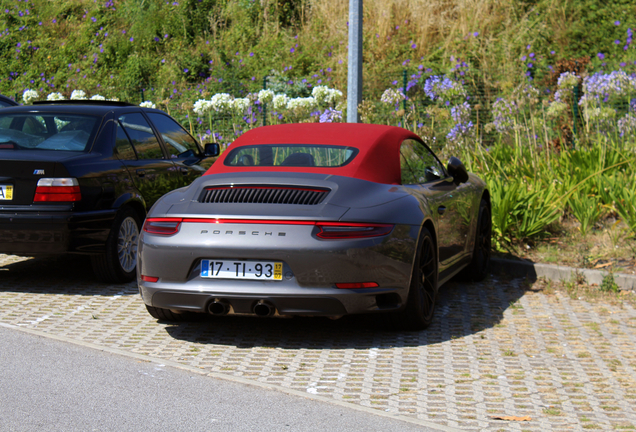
<point x="498" y="348"/>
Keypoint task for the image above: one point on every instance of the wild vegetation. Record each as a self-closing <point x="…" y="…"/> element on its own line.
<point x="536" y="96"/>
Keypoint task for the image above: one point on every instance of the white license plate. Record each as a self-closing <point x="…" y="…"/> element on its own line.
<point x="6" y="192"/>
<point x="231" y="269"/>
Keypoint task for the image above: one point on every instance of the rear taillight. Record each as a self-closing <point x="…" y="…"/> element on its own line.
<point x="344" y="230"/>
<point x="357" y="285"/>
<point x="162" y="226"/>
<point x="57" y="190"/>
<point x="149" y="278"/>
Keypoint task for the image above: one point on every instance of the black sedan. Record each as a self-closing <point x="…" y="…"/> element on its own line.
<point x="79" y="177"/>
<point x="316" y="220"/>
<point x="7" y="102"/>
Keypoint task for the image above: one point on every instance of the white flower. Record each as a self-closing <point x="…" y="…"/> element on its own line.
<point x="568" y="80"/>
<point x="393" y="97"/>
<point x="55" y="96"/>
<point x="265" y="96"/>
<point x="240" y="105"/>
<point x="221" y="102"/>
<point x="78" y="94"/>
<point x="147" y="104"/>
<point x="280" y="102"/>
<point x="29" y="96"/>
<point x="326" y="96"/>
<point x="201" y="107"/>
<point x="98" y="97"/>
<point x="114" y="99"/>
<point x="301" y="106"/>
<point x="556" y="108"/>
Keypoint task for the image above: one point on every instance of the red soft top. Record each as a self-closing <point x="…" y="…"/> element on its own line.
<point x="377" y="161"/>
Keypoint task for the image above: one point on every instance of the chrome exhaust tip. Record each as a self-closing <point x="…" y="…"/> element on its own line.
<point x="219" y="307"/>
<point x="264" y="308"/>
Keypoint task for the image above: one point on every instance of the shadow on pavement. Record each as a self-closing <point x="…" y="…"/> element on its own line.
<point x="59" y="274"/>
<point x="463" y="309"/>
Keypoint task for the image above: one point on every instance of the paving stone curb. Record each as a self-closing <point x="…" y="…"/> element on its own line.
<point x="558" y="273"/>
<point x="498" y="348"/>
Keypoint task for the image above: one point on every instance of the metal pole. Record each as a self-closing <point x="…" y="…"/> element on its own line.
<point x="354" y="82"/>
<point x="265" y="105"/>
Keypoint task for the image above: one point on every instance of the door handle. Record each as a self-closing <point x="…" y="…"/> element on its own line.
<point x="141" y="172"/>
<point x="441" y="210"/>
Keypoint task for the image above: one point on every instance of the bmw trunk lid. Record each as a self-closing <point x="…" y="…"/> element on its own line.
<point x="21" y="170"/>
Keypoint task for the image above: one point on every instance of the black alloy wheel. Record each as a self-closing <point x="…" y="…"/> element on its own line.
<point x="420" y="306"/>
<point x="477" y="270"/>
<point x="119" y="262"/>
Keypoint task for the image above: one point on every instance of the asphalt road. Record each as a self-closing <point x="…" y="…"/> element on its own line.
<point x="52" y="385"/>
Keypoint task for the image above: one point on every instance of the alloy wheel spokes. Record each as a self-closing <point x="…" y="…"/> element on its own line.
<point x="127" y="244"/>
<point x="427" y="274"/>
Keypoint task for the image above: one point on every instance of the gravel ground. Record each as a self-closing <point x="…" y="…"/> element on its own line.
<point x="504" y="347"/>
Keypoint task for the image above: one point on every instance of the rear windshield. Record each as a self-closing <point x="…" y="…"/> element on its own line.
<point x="46" y="131"/>
<point x="292" y="155"/>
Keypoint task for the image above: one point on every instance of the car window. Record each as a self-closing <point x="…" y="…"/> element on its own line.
<point x="123" y="147"/>
<point x="47" y="131"/>
<point x="179" y="143"/>
<point x="292" y="155"/>
<point x="418" y="164"/>
<point x="141" y="135"/>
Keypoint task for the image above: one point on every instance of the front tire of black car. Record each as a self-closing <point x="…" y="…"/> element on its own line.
<point x="420" y="306"/>
<point x="119" y="263"/>
<point x="477" y="270"/>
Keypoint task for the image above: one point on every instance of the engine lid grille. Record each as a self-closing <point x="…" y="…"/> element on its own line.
<point x="263" y="195"/>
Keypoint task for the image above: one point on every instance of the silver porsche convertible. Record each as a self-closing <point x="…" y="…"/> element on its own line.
<point x="316" y="220"/>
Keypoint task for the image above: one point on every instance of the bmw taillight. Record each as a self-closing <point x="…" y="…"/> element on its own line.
<point x="344" y="230"/>
<point x="57" y="190"/>
<point x="162" y="226"/>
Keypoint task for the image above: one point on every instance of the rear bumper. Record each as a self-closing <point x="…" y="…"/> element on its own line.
<point x="38" y="233"/>
<point x="311" y="269"/>
<point x="286" y="301"/>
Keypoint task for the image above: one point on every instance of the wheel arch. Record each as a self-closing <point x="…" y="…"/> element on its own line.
<point x="134" y="201"/>
<point x="430" y="226"/>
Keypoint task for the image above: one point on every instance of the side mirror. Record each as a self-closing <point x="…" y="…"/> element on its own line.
<point x="212" y="150"/>
<point x="457" y="170"/>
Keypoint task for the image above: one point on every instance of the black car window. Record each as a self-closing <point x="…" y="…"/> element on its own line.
<point x="418" y="164"/>
<point x="47" y="131"/>
<point x="123" y="148"/>
<point x="179" y="143"/>
<point x="143" y="138"/>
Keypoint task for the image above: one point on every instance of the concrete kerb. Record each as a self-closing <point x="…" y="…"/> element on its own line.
<point x="559" y="273"/>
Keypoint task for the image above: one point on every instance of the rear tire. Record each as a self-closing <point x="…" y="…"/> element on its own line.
<point x="167" y="315"/>
<point x="119" y="263"/>
<point x="477" y="270"/>
<point x="420" y="305"/>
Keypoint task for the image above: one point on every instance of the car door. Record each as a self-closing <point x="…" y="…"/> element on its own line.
<point x="153" y="173"/>
<point x="424" y="173"/>
<point x="182" y="148"/>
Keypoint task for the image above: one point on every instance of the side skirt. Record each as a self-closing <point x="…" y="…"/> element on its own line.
<point x="451" y="271"/>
